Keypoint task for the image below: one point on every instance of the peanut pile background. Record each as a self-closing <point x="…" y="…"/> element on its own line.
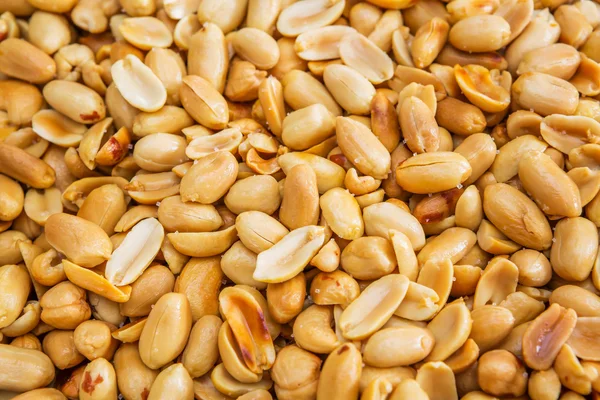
<point x="299" y="199"/>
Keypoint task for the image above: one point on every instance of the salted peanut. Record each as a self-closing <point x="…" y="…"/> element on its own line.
<point x="105" y="310"/>
<point x="133" y="376"/>
<point x="350" y="89"/>
<point x="130" y="333"/>
<point x="478" y="86"/>
<point x="225" y="140"/>
<point x="135" y="215"/>
<point x="546" y="335"/>
<point x="26" y="321"/>
<point x="21" y="59"/>
<point x="368" y="257"/>
<point x="120" y="110"/>
<point x="469" y="209"/>
<point x="521" y="123"/>
<point x="544" y="384"/>
<point x="433" y="172"/>
<point x="341" y="373"/>
<point x="394" y="375"/>
<point x="175" y="215"/>
<point x="166" y="331"/>
<point x="258" y="231"/>
<point x="229" y="386"/>
<point x="491" y="240"/>
<point x="333" y="288"/>
<point x="295" y="19"/>
<point x="307" y="127"/>
<point x="491" y="324"/>
<point x="342" y="213"/>
<point x="83" y="105"/>
<point x="38" y="173"/>
<point x="204" y="103"/>
<point x="425" y="93"/>
<point x="47" y="268"/>
<point x="537" y="235"/>
<point x="493" y="33"/>
<point x="328" y="258"/>
<point x="99" y="380"/>
<point x="243" y="81"/>
<point x="437" y="208"/>
<point x="437" y="381"/>
<point x="247" y="322"/>
<point x="400" y="346"/>
<point x="583" y="340"/>
<point x="359" y="144"/>
<point x="104" y="206"/>
<point x="498" y="280"/>
<point x="258" y="394"/>
<point x="300" y="204"/>
<point x="14" y="294"/>
<point x="359" y="185"/>
<point x="286" y="299"/>
<point x="435" y="275"/>
<point x="255" y="193"/>
<point x="160" y="152"/>
<point x="271" y="99"/>
<point x="573" y="248"/>
<point x="553" y="125"/>
<point x="45" y="393"/>
<point x="328" y="174"/>
<point x="506" y="163"/>
<point x="450" y="56"/>
<point x="172" y="381"/>
<point x="451" y="328"/>
<point x="146" y="32"/>
<point x="203" y="272"/>
<point x="371" y="310"/>
<point x="83" y="242"/>
<point x="295" y="373"/>
<point x="380" y="218"/>
<point x="532" y="166"/>
<point x="586" y="77"/>
<point x="228" y="15"/>
<point x="321" y="43"/>
<point x="400" y="49"/>
<point x="92" y="141"/>
<point x="169" y="119"/>
<point x="203" y="244"/>
<point x="9" y="243"/>
<point x="146" y="290"/>
<point x="28" y="97"/>
<point x="145" y="93"/>
<point x="58" y="129"/>
<point x="12" y="199"/>
<point x="302" y="90"/>
<point x="93" y="339"/>
<point x="360" y="53"/>
<point x="95" y="283"/>
<point x="262" y="14"/>
<point x="24" y="369"/>
<point x="575" y="29"/>
<point x="429" y="41"/>
<point x="561" y="61"/>
<point x="64" y="306"/>
<point x="288" y="59"/>
<point x="312" y="329"/>
<point x="290" y="255"/>
<point x="584" y="302"/>
<point x="384" y="121"/>
<point x="257" y="47"/>
<point x="461" y="9"/>
<point x="170" y="69"/>
<point x="186" y="27"/>
<point x="534" y="267"/>
<point x="216" y="171"/>
<point x="418" y="125"/>
<point x="201" y="352"/>
<point x="500" y="373"/>
<point x="459" y="117"/>
<point x="545" y="94"/>
<point x="405" y="255"/>
<point x="517" y="13"/>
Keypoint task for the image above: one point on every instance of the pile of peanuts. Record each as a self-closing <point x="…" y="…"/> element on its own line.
<point x="299" y="199"/>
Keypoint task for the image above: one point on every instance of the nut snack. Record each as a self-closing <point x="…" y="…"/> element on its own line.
<point x="299" y="199"/>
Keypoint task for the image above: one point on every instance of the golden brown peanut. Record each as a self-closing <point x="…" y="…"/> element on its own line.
<point x="564" y="60"/>
<point x="429" y="41"/>
<point x="583" y="339"/>
<point x="544" y="385"/>
<point x="104" y="206"/>
<point x="203" y="102"/>
<point x="98" y="381"/>
<point x="204" y="272"/>
<point x="169" y="68"/>
<point x="537" y="235"/>
<point x="349" y="88"/>
<point x="159" y="152"/>
<point x="574" y="27"/>
<point x="146" y="290"/>
<point x="307" y="127"/>
<point x="480" y="151"/>
<point x="368" y="257"/>
<point x="22" y="166"/>
<point x="21" y="59"/>
<point x="93" y="339"/>
<point x="342" y="213"/>
<point x="27" y="320"/>
<point x="459" y="118"/>
<point x="496" y="282"/>
<point x="238" y="264"/>
<point x="64" y="306"/>
<point x="380" y="218"/>
<point x="295" y="373"/>
<point x="262" y="14"/>
<point x="60" y="347"/>
<point x="553" y="126"/>
<point x="83" y="105"/>
<point x="322" y="43"/>
<point x="433" y="172"/>
<point x="381" y="349"/>
<point x="15" y="290"/>
<point x="333" y="288"/>
<point x="263" y="191"/>
<point x="364" y="17"/>
<point x="24" y="369"/>
<point x="493" y="33"/>
<point x="20" y="101"/>
<point x="288" y="59"/>
<point x="384" y="121"/>
<point x="437" y="381"/>
<point x="45" y="393"/>
<point x="545" y="336"/>
<point x="11" y="199"/>
<point x="312" y="329"/>
<point x="243" y="81"/>
<point x="545" y="94"/>
<point x="297" y="18"/>
<point x="120" y="110"/>
<point x="172" y="381"/>
<point x="534" y="267"/>
<point x="302" y="90"/>
<point x="582" y="301"/>
<point x="453" y="243"/>
<point x="209" y="179"/>
<point x="166" y="332"/>
<point x="341" y="373"/>
<point x="586" y="77"/>
<point x="371" y="310"/>
<point x="225" y="140"/>
<point x="573" y="249"/>
<point x="175" y="215"/>
<point x="449" y="337"/>
<point x="286" y="299"/>
<point x="228" y="15"/>
<point x="9" y="244"/>
<point x="491" y="324"/>
<point x="506" y="163"/>
<point x="544" y="180"/>
<point x="363" y="55"/>
<point x="257" y="47"/>
<point x="500" y="373"/>
<point x="480" y="87"/>
<point x="328" y="173"/>
<point x="201" y="352"/>
<point x="146" y="93"/>
<point x="169" y="119"/>
<point x="203" y="244"/>
<point x="419" y="127"/>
